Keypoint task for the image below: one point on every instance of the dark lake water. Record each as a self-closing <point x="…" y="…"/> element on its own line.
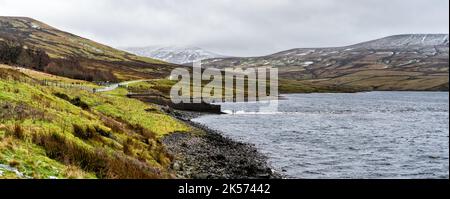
<point x="361" y="135"/>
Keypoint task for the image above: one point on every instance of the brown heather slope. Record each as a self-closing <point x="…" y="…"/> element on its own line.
<point x="33" y="44"/>
<point x="417" y="62"/>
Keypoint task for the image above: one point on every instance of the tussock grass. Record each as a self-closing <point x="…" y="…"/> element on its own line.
<point x="79" y="134"/>
<point x="105" y="165"/>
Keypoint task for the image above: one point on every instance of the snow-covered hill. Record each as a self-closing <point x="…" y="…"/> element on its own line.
<point x="392" y="51"/>
<point x="406" y="40"/>
<point x="401" y="62"/>
<point x="176" y="55"/>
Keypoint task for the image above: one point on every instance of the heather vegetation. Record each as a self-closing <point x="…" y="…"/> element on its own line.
<point x="32" y="44"/>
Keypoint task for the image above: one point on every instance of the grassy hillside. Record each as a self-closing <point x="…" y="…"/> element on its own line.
<point x="33" y="44"/>
<point x="67" y="132"/>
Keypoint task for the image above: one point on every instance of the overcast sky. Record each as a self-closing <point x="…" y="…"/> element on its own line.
<point x="236" y="27"/>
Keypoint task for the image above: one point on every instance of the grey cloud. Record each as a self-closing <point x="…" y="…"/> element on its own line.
<point x="236" y="27"/>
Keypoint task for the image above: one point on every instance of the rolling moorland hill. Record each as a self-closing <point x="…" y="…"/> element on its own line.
<point x="402" y="62"/>
<point x="416" y="62"/>
<point x="33" y="44"/>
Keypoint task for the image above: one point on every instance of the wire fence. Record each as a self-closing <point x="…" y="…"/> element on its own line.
<point x="59" y="84"/>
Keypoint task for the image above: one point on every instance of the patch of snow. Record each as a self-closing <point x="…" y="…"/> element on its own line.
<point x="308" y="63"/>
<point x="289" y="53"/>
<point x="216" y="60"/>
<point x="97" y="50"/>
<point x="402" y="41"/>
<point x="385" y="53"/>
<point x="424" y="38"/>
<point x="305" y="53"/>
<point x="35" y="26"/>
<point x="92" y="47"/>
<point x="266" y="63"/>
<point x="302" y="54"/>
<point x="410" y="62"/>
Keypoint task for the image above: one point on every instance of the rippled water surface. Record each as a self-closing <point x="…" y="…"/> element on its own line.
<point x="362" y="135"/>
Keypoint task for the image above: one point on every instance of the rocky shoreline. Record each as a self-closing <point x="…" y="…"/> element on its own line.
<point x="208" y="155"/>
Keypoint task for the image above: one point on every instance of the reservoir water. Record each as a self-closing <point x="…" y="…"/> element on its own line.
<point x="362" y="135"/>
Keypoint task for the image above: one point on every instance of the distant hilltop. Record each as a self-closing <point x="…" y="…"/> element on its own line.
<point x="406" y="40"/>
<point x="174" y="54"/>
<point x="418" y="62"/>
